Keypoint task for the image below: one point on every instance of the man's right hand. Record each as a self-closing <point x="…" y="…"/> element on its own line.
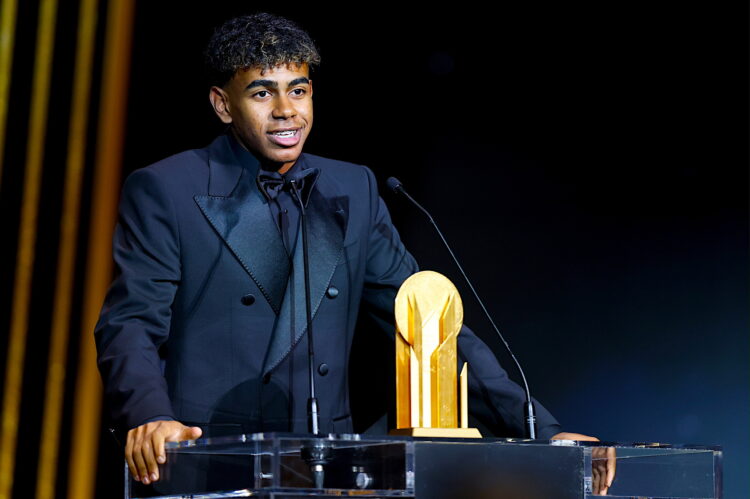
<point x="144" y="450"/>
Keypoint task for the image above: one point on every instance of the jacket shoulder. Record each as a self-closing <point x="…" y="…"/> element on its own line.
<point x="341" y="172"/>
<point x="190" y="160"/>
<point x="186" y="169"/>
<point x="334" y="166"/>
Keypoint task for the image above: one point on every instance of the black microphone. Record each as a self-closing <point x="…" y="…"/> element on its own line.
<point x="317" y="453"/>
<point x="530" y="414"/>
<point x="312" y="403"/>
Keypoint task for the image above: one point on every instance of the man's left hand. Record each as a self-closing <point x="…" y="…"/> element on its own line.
<point x="603" y="462"/>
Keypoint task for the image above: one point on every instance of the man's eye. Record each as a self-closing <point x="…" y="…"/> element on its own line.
<point x="299" y="91"/>
<point x="262" y="94"/>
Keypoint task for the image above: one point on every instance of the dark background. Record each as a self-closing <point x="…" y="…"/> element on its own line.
<point x="589" y="164"/>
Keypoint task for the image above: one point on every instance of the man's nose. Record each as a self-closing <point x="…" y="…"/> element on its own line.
<point x="284" y="108"/>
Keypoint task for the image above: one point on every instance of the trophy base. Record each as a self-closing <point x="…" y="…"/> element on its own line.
<point x="437" y="432"/>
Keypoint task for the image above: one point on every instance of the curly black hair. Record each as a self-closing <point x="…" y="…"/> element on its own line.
<point x="258" y="40"/>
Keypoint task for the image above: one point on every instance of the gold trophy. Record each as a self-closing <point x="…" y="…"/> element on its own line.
<point x="429" y="315"/>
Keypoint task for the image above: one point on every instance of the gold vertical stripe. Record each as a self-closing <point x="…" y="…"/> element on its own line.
<point x="106" y="186"/>
<point x="7" y="36"/>
<point x="60" y="331"/>
<point x="26" y="242"/>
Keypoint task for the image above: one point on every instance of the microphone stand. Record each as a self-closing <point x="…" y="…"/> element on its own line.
<point x="317" y="454"/>
<point x="529" y="411"/>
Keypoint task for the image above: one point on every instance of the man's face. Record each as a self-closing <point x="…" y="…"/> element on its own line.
<point x="270" y="111"/>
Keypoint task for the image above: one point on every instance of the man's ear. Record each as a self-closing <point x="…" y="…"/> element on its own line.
<point x="311" y="90"/>
<point x="220" y="102"/>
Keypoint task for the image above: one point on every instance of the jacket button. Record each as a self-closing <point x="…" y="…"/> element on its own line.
<point x="323" y="369"/>
<point x="266" y="378"/>
<point x="332" y="292"/>
<point x="248" y="299"/>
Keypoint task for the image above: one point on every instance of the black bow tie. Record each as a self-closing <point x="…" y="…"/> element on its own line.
<point x="272" y="183"/>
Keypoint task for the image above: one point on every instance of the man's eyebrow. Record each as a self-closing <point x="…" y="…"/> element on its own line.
<point x="262" y="83"/>
<point x="298" y="81"/>
<point x="273" y="84"/>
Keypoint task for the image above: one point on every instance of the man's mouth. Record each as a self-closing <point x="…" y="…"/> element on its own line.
<point x="286" y="137"/>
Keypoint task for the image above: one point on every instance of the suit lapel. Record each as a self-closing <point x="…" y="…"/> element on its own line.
<point x="327" y="219"/>
<point x="239" y="213"/>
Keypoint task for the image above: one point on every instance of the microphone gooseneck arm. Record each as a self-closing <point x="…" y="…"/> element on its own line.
<point x="530" y="414"/>
<point x="316" y="453"/>
<point x="312" y="403"/>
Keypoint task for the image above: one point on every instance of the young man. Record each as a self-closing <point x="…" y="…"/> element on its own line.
<point x="205" y="324"/>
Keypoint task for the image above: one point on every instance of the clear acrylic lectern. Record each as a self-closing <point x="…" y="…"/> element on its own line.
<point x="279" y="465"/>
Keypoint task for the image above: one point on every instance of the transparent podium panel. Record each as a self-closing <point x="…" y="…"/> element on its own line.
<point x="658" y="470"/>
<point x="279" y="465"/>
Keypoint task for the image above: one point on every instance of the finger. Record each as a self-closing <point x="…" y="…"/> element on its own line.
<point x="191" y="433"/>
<point x="161" y="456"/>
<point x="140" y="463"/>
<point x="185" y="433"/>
<point x="152" y="459"/>
<point x="596" y="480"/>
<point x="601" y="468"/>
<point x="597" y="460"/>
<point x="611" y="465"/>
<point x="129" y="456"/>
<point x="174" y="432"/>
<point x="147" y="450"/>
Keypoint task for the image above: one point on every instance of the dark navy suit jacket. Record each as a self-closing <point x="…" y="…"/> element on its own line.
<point x="205" y="320"/>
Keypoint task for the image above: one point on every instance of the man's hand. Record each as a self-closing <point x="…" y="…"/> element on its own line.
<point x="145" y="447"/>
<point x="603" y="462"/>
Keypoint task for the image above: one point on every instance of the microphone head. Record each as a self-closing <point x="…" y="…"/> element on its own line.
<point x="394" y="184"/>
